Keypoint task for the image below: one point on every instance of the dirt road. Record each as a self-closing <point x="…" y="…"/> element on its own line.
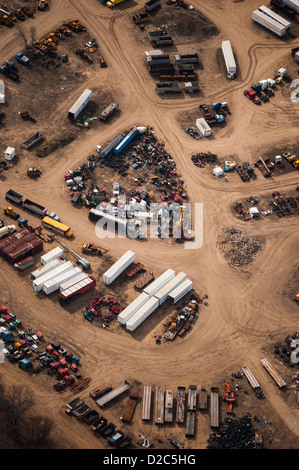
<point x="247" y="308"/>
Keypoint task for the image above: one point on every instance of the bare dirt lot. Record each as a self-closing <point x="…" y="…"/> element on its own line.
<point x="247" y="311"/>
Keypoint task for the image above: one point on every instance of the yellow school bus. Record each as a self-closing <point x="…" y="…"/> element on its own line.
<point x="57" y="227"/>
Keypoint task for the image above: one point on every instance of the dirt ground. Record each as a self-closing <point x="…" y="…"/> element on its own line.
<point x="248" y="311"/>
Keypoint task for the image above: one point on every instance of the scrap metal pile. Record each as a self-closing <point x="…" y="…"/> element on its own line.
<point x="238" y="249"/>
<point x="283" y="206"/>
<point x="235" y="434"/>
<point x="203" y="158"/>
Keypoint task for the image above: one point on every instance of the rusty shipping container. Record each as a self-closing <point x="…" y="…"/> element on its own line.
<point x="131" y="405"/>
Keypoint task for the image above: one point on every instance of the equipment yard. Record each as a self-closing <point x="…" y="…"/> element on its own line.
<point x="131" y="319"/>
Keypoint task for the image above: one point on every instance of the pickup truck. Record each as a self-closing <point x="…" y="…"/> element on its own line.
<point x="23" y="59"/>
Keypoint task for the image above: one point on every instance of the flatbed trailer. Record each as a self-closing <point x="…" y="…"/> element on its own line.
<point x="190" y="424"/>
<point x="192" y="397"/>
<point x="103" y="401"/>
<point x="214" y="407"/>
<point x="159" y="404"/>
<point x="202" y="399"/>
<point x="146" y="402"/>
<point x="100" y="391"/>
<point x="180" y="407"/>
<point x="131" y="405"/>
<point x="169" y="406"/>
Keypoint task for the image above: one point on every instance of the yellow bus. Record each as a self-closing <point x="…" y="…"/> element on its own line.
<point x="57" y="227"/>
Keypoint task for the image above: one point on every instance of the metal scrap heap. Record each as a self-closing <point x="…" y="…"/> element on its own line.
<point x="235" y="434"/>
<point x="238" y="249"/>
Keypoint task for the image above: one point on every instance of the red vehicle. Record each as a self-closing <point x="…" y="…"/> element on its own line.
<point x="3" y="310"/>
<point x="251" y="94"/>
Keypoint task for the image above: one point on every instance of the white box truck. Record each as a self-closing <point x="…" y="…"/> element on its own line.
<point x="229" y="59"/>
<point x="118" y="267"/>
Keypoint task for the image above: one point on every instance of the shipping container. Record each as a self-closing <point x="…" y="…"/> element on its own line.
<point x="53" y="284"/>
<point x="146" y="402"/>
<point x="202" y="398"/>
<point x="163" y="293"/>
<point x="159" y="404"/>
<point x="113" y="394"/>
<point x="80" y="104"/>
<point x="179" y="292"/>
<point x="132" y="308"/>
<point x="142" y="314"/>
<point x="130" y="406"/>
<point x="118" y="267"/>
<point x="51" y="255"/>
<point x="169" y="406"/>
<point x="62" y="267"/>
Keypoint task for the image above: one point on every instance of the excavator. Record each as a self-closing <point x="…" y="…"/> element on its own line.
<point x="229" y="397"/>
<point x="93" y="249"/>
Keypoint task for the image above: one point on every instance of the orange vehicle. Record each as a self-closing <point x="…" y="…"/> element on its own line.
<point x="229" y="397"/>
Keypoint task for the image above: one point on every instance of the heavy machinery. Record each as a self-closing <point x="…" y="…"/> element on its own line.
<point x="93" y="249"/>
<point x="42" y="5"/>
<point x="33" y="173"/>
<point x="229" y="397"/>
<point x="80" y="261"/>
<point x="26" y="116"/>
<point x="11" y="213"/>
<point x="20" y="14"/>
<point x="102" y="62"/>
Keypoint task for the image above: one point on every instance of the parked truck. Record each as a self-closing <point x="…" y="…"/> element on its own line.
<point x="33" y="140"/>
<point x="34" y="208"/>
<point x="13" y="197"/>
<point x="108" y="111"/>
<point x="229" y="59"/>
<point x="9" y="71"/>
<point x="23" y="59"/>
<point x="285" y="8"/>
<point x="6" y="230"/>
<point x="152" y="5"/>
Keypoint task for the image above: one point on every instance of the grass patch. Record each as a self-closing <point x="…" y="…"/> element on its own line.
<point x="51" y="145"/>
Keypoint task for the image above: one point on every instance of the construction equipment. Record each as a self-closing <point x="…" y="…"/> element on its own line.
<point x="102" y="62"/>
<point x="33" y="173"/>
<point x="80" y="261"/>
<point x="93" y="249"/>
<point x="20" y="15"/>
<point x="11" y="213"/>
<point x="229" y="397"/>
<point x="26" y="116"/>
<point x="42" y="5"/>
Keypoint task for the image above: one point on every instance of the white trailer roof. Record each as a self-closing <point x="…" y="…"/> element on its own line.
<point x="167" y="288"/>
<point x="201" y="122"/>
<point x="55" y="253"/>
<point x="275" y="16"/>
<point x="142" y="314"/>
<point x="61" y="278"/>
<point x="75" y="287"/>
<point x="160" y="282"/>
<point x="268" y="22"/>
<point x="61" y="268"/>
<point x="132" y="308"/>
<point x="118" y="267"/>
<point x="80" y="276"/>
<point x="82" y="98"/>
<point x="228" y="52"/>
<point x="181" y="290"/>
<point x="45" y="269"/>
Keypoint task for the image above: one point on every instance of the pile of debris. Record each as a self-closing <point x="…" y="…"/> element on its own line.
<point x="238" y="249"/>
<point x="235" y="434"/>
<point x="94" y="310"/>
<point x="203" y="158"/>
<point x="283" y="206"/>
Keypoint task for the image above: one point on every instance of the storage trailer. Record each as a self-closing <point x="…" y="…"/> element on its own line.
<point x="273" y="372"/>
<point x="159" y="404"/>
<point x="101" y="402"/>
<point x="180" y="405"/>
<point x="53" y="284"/>
<point x="125" y="141"/>
<point x="179" y="292"/>
<point x="108" y="111"/>
<point x="129" y="311"/>
<point x="204" y="127"/>
<point x="80" y="104"/>
<point x="142" y="314"/>
<point x="293" y="4"/>
<point x="192" y="397"/>
<point x="78" y="278"/>
<point x="169" y="406"/>
<point x="202" y="398"/>
<point x="118" y="267"/>
<point x="160" y="282"/>
<point x="39" y="282"/>
<point x="111" y="146"/>
<point x="25" y="263"/>
<point x="146" y="402"/>
<point x="163" y="293"/>
<point x="51" y="255"/>
<point x="270" y="22"/>
<point x="229" y="59"/>
<point x="190" y="424"/>
<point x="46" y="268"/>
<point x="76" y="290"/>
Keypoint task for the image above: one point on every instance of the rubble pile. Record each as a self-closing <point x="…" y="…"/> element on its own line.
<point x="201" y="159"/>
<point x="238" y="249"/>
<point x="235" y="434"/>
